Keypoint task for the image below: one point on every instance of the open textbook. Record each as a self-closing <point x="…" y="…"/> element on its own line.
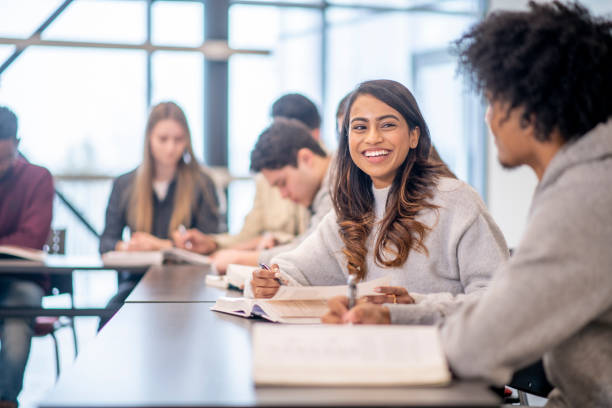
<point x="348" y="355"/>
<point x="234" y="277"/>
<point x="15" y="252"/>
<point x="137" y="258"/>
<point x="294" y="304"/>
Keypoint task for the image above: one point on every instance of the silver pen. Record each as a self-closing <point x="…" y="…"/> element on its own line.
<point x="352" y="290"/>
<point x="267" y="268"/>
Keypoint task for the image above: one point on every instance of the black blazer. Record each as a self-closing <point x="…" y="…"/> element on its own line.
<point x="204" y="217"/>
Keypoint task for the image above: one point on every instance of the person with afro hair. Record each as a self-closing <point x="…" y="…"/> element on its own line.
<point x="547" y="75"/>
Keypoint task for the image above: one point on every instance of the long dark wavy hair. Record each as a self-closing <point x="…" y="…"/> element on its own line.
<point x="410" y="193"/>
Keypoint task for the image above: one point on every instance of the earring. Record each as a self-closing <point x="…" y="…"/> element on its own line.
<point x="186" y="157"/>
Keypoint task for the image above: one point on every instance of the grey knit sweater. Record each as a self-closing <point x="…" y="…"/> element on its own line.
<point x="465" y="247"/>
<point x="553" y="299"/>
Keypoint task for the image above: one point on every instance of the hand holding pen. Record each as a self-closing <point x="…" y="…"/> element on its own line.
<point x="266" y="281"/>
<point x="193" y="240"/>
<point x="183" y="232"/>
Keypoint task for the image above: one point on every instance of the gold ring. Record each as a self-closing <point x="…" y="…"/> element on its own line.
<point x="394" y="298"/>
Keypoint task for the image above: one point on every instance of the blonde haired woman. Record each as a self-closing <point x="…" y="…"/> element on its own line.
<point x="167" y="190"/>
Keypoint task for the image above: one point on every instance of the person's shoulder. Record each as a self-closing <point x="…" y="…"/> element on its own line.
<point x="456" y="194"/>
<point x="206" y="177"/>
<point x="126" y="179"/>
<point x="33" y="172"/>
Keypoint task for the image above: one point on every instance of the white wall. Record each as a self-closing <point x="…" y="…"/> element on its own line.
<point x="508" y="191"/>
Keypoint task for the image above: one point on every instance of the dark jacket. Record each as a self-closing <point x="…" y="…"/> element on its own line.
<point x="205" y="217"/>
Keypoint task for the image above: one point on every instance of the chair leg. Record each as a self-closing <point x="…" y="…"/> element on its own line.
<point x="523" y="398"/>
<point x="74" y="337"/>
<point x="57" y="358"/>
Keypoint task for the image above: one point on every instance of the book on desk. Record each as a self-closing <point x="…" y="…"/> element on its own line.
<point x="170" y="255"/>
<point x="294" y="304"/>
<point x="346" y="355"/>
<point x="26" y="254"/>
<point x="234" y="278"/>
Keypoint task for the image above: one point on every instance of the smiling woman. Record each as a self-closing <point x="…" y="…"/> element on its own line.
<point x="396" y="213"/>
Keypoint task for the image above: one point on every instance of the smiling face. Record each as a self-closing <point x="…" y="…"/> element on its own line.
<point x="168" y="142"/>
<point x="379" y="139"/>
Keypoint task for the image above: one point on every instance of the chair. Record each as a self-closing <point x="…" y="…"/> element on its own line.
<point x="531" y="380"/>
<point x="60" y="284"/>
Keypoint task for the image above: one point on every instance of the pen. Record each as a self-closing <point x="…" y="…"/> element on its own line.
<point x="352" y="291"/>
<point x="267" y="268"/>
<point x="182" y="231"/>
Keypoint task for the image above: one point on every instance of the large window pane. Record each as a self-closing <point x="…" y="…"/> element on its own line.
<point x="81" y="111"/>
<point x="178" y="77"/>
<point x="19" y="18"/>
<point x="293" y="36"/>
<point x="101" y="20"/>
<point x="178" y="23"/>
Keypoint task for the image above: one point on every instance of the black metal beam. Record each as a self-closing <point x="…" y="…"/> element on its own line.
<point x="35" y="311"/>
<point x="76" y="213"/>
<point x="216" y="16"/>
<point x="36" y="33"/>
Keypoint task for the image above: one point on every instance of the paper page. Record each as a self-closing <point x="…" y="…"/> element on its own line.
<point x="293" y="308"/>
<point x="327" y="292"/>
<point x="10" y="251"/>
<point x="216" y="281"/>
<point x="132" y="258"/>
<point x="238" y="274"/>
<point x="345" y="355"/>
<point x="236" y="306"/>
<point x="182" y="255"/>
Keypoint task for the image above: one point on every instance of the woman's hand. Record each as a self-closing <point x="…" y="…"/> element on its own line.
<point x="266" y="241"/>
<point x="265" y="282"/>
<point x="363" y="313"/>
<point x="194" y="240"/>
<point x="142" y="241"/>
<point x="390" y="294"/>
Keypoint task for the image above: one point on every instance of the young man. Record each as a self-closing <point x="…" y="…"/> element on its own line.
<point x="272" y="220"/>
<point x="293" y="162"/>
<point x="26" y="203"/>
<point x="547" y="76"/>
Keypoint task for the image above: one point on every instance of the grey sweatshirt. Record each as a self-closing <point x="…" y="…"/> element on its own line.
<point x="320" y="206"/>
<point x="465" y="247"/>
<point x="553" y="299"/>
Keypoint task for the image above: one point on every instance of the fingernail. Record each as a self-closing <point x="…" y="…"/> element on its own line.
<point x="379" y="290"/>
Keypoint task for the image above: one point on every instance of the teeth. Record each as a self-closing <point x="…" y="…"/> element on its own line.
<point x="374" y="153"/>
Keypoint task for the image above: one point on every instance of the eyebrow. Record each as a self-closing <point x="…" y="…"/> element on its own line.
<point x="377" y="119"/>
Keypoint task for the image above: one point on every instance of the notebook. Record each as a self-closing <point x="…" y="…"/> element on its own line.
<point x="234" y="278"/>
<point x="137" y="258"/>
<point x="293" y="304"/>
<point x="15" y="252"/>
<point x="348" y="355"/>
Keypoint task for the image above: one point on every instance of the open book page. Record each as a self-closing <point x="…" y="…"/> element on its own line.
<point x="238" y="274"/>
<point x="132" y="258"/>
<point x="348" y="355"/>
<point x="15" y="252"/>
<point x="216" y="281"/>
<point x="178" y="255"/>
<point x="281" y="311"/>
<point x="328" y="292"/>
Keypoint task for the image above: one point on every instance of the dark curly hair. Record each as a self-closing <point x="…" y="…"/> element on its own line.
<point x="410" y="193"/>
<point x="279" y="144"/>
<point x="554" y="61"/>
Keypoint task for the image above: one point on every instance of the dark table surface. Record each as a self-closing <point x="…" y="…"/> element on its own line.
<point x="185" y="355"/>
